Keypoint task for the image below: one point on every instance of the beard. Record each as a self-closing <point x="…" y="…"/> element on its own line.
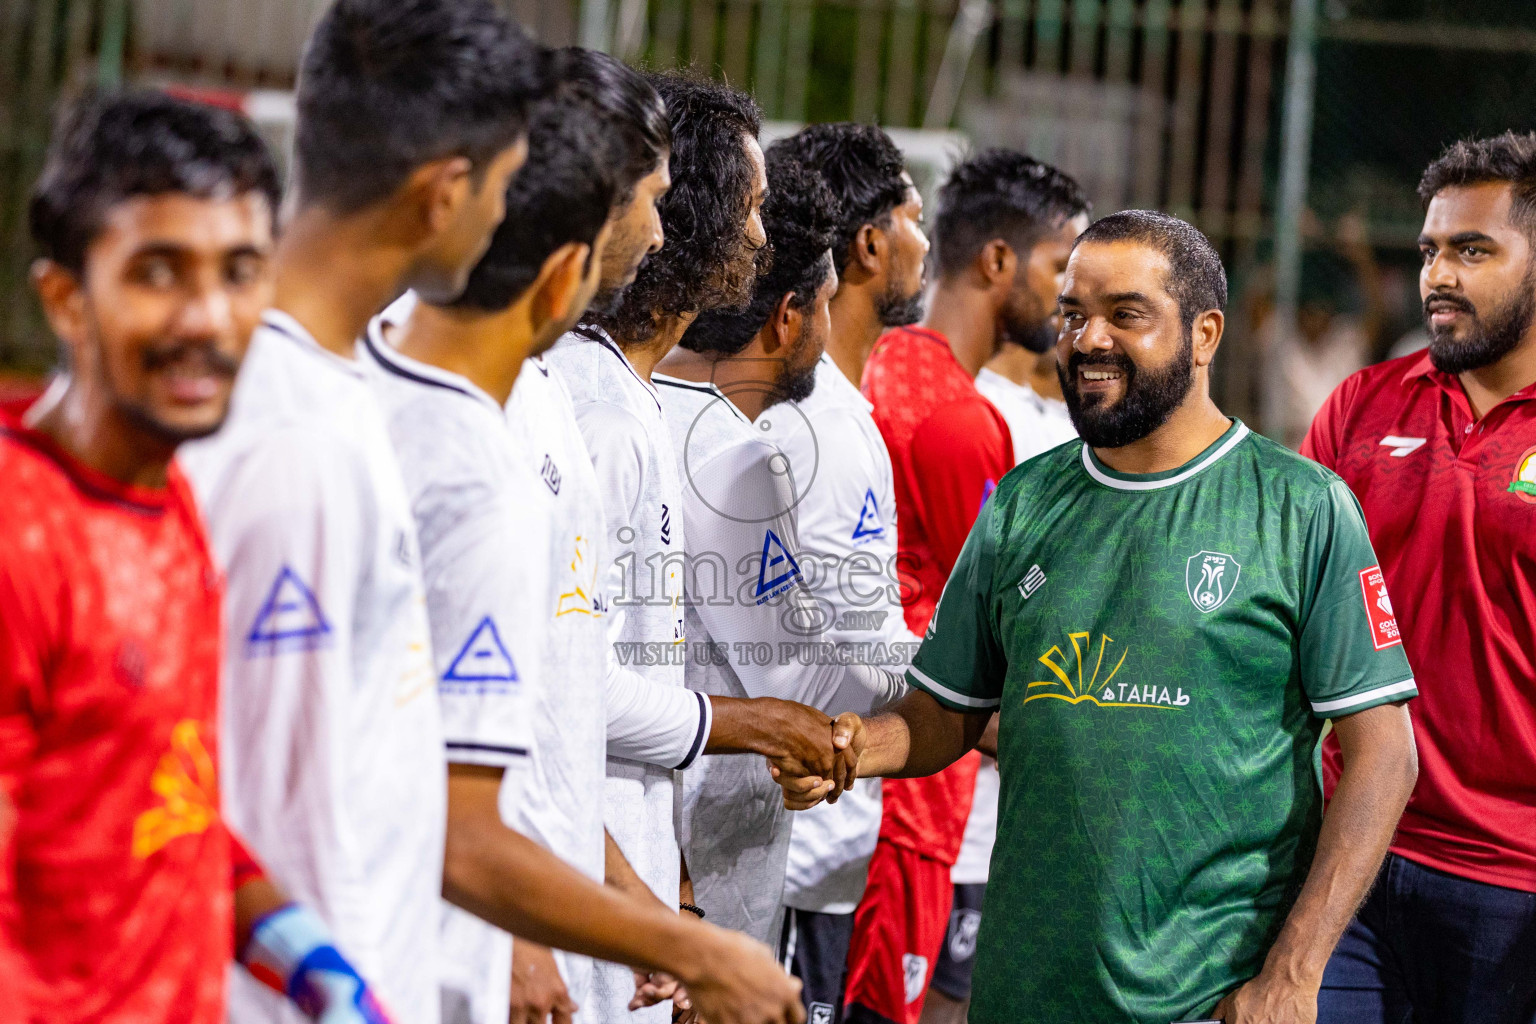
<point x="139" y="414"/>
<point x="794" y="383"/>
<point x="898" y="310"/>
<point x="1488" y="340"/>
<point x="1151" y="396"/>
<point x="793" y="386"/>
<point x="1036" y="336"/>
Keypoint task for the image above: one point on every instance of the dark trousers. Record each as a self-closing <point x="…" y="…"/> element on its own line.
<point x="816" y="948"/>
<point x="1432" y="948"/>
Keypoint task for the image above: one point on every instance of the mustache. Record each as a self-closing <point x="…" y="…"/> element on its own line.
<point x="1114" y="359"/>
<point x="1455" y="299"/>
<point x="202" y="352"/>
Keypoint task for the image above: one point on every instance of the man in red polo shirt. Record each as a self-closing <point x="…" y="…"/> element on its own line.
<point x="1440" y="448"/>
<point x="122" y="895"/>
<point x="949" y="447"/>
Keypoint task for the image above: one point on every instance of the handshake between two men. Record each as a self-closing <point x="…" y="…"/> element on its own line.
<point x="912" y="737"/>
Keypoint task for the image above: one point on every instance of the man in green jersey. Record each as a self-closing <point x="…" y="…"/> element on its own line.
<point x="1163" y="615"/>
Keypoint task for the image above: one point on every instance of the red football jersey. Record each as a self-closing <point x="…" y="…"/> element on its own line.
<point x="949" y="447"/>
<point x="115" y="892"/>
<point x="1451" y="506"/>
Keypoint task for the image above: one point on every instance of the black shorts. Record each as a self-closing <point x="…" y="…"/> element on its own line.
<point x="957" y="956"/>
<point x="815" y="950"/>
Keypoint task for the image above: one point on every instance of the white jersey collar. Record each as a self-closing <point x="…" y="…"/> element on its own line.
<point x="393" y="361"/>
<point x="705" y="389"/>
<point x="1157" y="481"/>
<point x="598" y="336"/>
<point x="280" y="323"/>
<point x="844" y="391"/>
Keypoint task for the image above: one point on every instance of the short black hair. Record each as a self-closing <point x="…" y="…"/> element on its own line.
<point x="110" y="147"/>
<point x="1509" y="158"/>
<point x="388" y="85"/>
<point x="697" y="266"/>
<point x="634" y="116"/>
<point x="862" y="167"/>
<point x="1196" y="278"/>
<point x="564" y="193"/>
<point x="1000" y="193"/>
<point x="800" y="217"/>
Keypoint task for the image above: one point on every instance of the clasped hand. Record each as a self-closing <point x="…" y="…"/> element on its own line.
<point x="820" y="758"/>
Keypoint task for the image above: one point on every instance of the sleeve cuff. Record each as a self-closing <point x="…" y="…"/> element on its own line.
<point x="706" y="722"/>
<point x="1342" y="706"/>
<point x="489" y="754"/>
<point x="952" y="699"/>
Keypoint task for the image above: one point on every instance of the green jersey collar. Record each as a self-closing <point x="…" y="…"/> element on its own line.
<point x="1157" y="481"/>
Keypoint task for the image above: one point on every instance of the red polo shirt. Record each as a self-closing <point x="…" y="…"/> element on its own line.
<point x="1451" y="505"/>
<point x="949" y="447"/>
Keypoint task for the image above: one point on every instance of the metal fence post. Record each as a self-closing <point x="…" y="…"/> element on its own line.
<point x="1295" y="155"/>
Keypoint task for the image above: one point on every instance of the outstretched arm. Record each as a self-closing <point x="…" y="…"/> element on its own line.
<point x="1380" y="766"/>
<point x="517" y="885"/>
<point x="914" y="737"/>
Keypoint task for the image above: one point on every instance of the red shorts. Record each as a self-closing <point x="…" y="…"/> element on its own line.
<point x="897" y="932"/>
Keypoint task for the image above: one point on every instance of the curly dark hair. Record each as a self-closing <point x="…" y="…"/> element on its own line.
<point x="1000" y="193"/>
<point x="1509" y="158"/>
<point x="801" y="219"/>
<point x="706" y="261"/>
<point x="108" y="148"/>
<point x="862" y="167"/>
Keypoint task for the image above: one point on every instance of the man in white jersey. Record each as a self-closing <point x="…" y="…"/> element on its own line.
<point x="847" y="510"/>
<point x="1009" y="222"/>
<point x="333" y="740"/>
<point x="511" y="534"/>
<point x="607" y="364"/>
<point x="754" y="624"/>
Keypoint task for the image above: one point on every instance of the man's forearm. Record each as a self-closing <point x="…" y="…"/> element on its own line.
<point x="1380" y="767"/>
<point x="514" y="883"/>
<point x="742" y="725"/>
<point x="621" y="875"/>
<point x="917" y="736"/>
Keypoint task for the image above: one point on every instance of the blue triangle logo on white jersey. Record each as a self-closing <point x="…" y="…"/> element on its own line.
<point x="289" y="617"/>
<point x="777" y="566"/>
<point x="869" y="518"/>
<point x="482" y="659"/>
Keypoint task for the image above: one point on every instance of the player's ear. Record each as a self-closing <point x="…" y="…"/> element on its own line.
<point x="62" y="296"/>
<point x="996" y="264"/>
<point x="434" y="196"/>
<point x="558" y="287"/>
<point x="1205" y="335"/>
<point x="785" y="326"/>
<point x="868" y="249"/>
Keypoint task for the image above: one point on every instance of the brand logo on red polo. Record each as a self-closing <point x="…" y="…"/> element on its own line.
<point x="1378" y="609"/>
<point x="1524" y="483"/>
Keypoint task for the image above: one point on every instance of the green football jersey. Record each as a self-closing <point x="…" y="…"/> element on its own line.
<point x="1162" y="650"/>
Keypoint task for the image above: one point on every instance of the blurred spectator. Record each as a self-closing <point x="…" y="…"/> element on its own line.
<point x="1338" y="317"/>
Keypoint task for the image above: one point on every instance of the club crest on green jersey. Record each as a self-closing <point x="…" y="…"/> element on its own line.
<point x="1209" y="579"/>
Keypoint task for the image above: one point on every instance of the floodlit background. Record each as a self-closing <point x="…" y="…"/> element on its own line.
<point x="1291" y="131"/>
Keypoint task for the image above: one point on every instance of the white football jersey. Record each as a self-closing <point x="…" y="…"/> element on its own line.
<point x="1036" y="424"/>
<point x="755" y="630"/>
<point x="846" y="509"/>
<point x="333" y="740"/>
<point x="623" y="428"/>
<point x="484" y="524"/>
<point x="660" y="724"/>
